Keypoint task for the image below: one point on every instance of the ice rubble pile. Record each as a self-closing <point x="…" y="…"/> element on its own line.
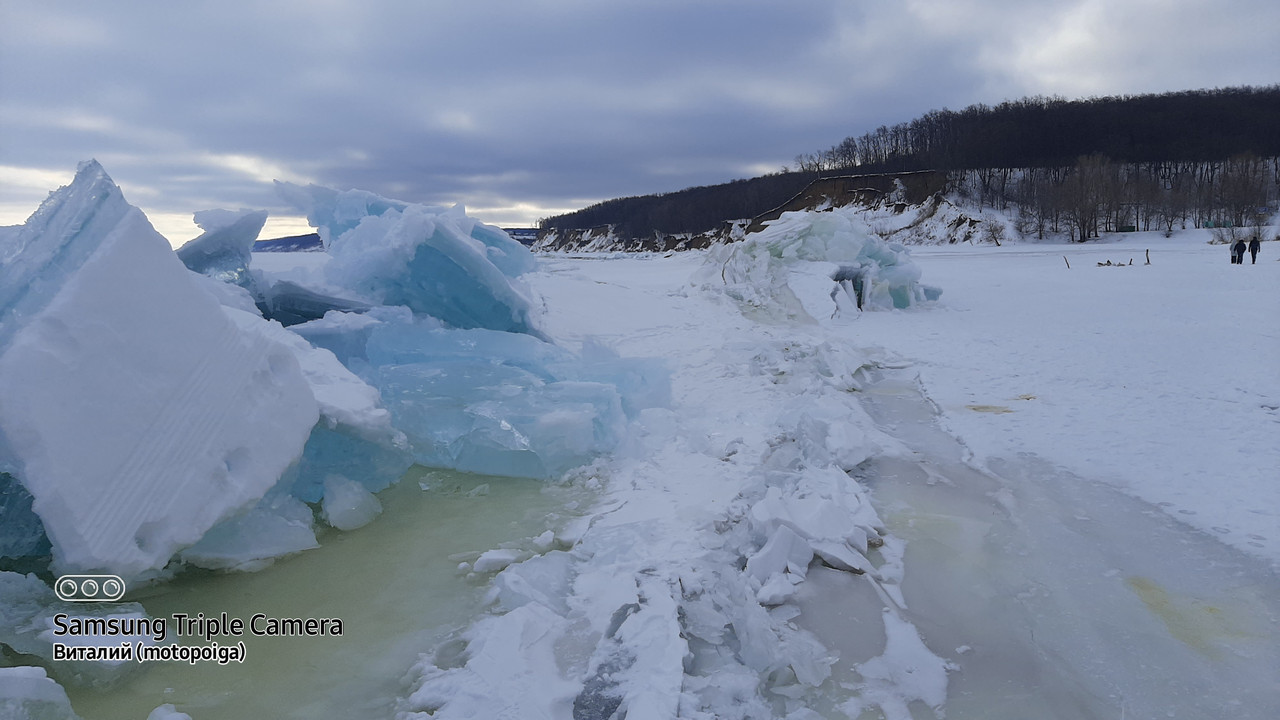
<point x="868" y="272"/>
<point x="202" y="429"/>
<point x="451" y="345"/>
<point x="630" y="613"/>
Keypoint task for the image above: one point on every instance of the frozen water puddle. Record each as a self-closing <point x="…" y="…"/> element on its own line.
<point x="394" y="583"/>
<point x="1051" y="596"/>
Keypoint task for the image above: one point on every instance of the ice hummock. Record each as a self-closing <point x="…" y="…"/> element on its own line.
<point x="436" y="262"/>
<point x="203" y="430"/>
<point x="452" y="345"/>
<point x="869" y="273"/>
<point x="181" y="417"/>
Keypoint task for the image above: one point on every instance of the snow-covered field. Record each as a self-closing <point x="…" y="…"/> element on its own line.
<point x="1160" y="380"/>
<point x="1052" y="493"/>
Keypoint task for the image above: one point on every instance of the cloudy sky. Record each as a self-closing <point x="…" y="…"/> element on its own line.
<point x="523" y="109"/>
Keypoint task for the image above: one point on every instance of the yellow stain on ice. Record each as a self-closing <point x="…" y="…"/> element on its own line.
<point x="997" y="409"/>
<point x="1195" y="623"/>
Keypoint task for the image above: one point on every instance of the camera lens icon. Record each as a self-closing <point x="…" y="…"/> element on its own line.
<point x="89" y="588"/>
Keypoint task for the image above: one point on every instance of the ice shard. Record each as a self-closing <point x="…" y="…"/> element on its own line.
<point x="225" y="249"/>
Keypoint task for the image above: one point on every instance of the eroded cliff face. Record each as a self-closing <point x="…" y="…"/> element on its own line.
<point x="896" y="189"/>
<point x="911" y="208"/>
<point x="606" y="239"/>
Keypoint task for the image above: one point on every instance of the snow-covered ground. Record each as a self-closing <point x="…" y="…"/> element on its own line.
<point x="1158" y="379"/>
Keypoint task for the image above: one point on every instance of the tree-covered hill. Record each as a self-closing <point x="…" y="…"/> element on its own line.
<point x="1078" y="166"/>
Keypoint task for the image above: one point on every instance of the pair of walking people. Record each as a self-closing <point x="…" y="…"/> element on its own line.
<point x="1237" y="251"/>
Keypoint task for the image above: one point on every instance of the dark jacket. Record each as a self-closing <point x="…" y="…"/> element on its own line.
<point x="1238" y="248"/>
<point x="1254" y="245"/>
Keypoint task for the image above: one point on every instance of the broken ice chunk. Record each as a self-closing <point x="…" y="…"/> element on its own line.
<point x="346" y="334"/>
<point x="289" y="303"/>
<point x="225" y="249"/>
<point x="21" y="532"/>
<point x="509" y="255"/>
<point x="347" y="505"/>
<point x="181" y="419"/>
<point x="36" y="258"/>
<point x="495" y="560"/>
<point x="544" y="579"/>
<point x="493" y="402"/>
<point x="840" y="556"/>
<point x="813" y="517"/>
<point x="426" y="263"/>
<point x="26" y="692"/>
<point x="785" y="551"/>
<point x="435" y="262"/>
<point x="168" y="712"/>
<point x="28" y="609"/>
<point x="278" y="525"/>
<point x="334" y="212"/>
<point x="500" y="420"/>
<point x="777" y="590"/>
<point x="375" y="461"/>
<point x="354" y="437"/>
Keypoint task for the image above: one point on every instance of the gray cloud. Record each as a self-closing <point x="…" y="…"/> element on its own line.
<point x="520" y="109"/>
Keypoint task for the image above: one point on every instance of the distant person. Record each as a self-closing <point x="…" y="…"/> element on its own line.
<point x="1254" y="246"/>
<point x="1237" y="252"/>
